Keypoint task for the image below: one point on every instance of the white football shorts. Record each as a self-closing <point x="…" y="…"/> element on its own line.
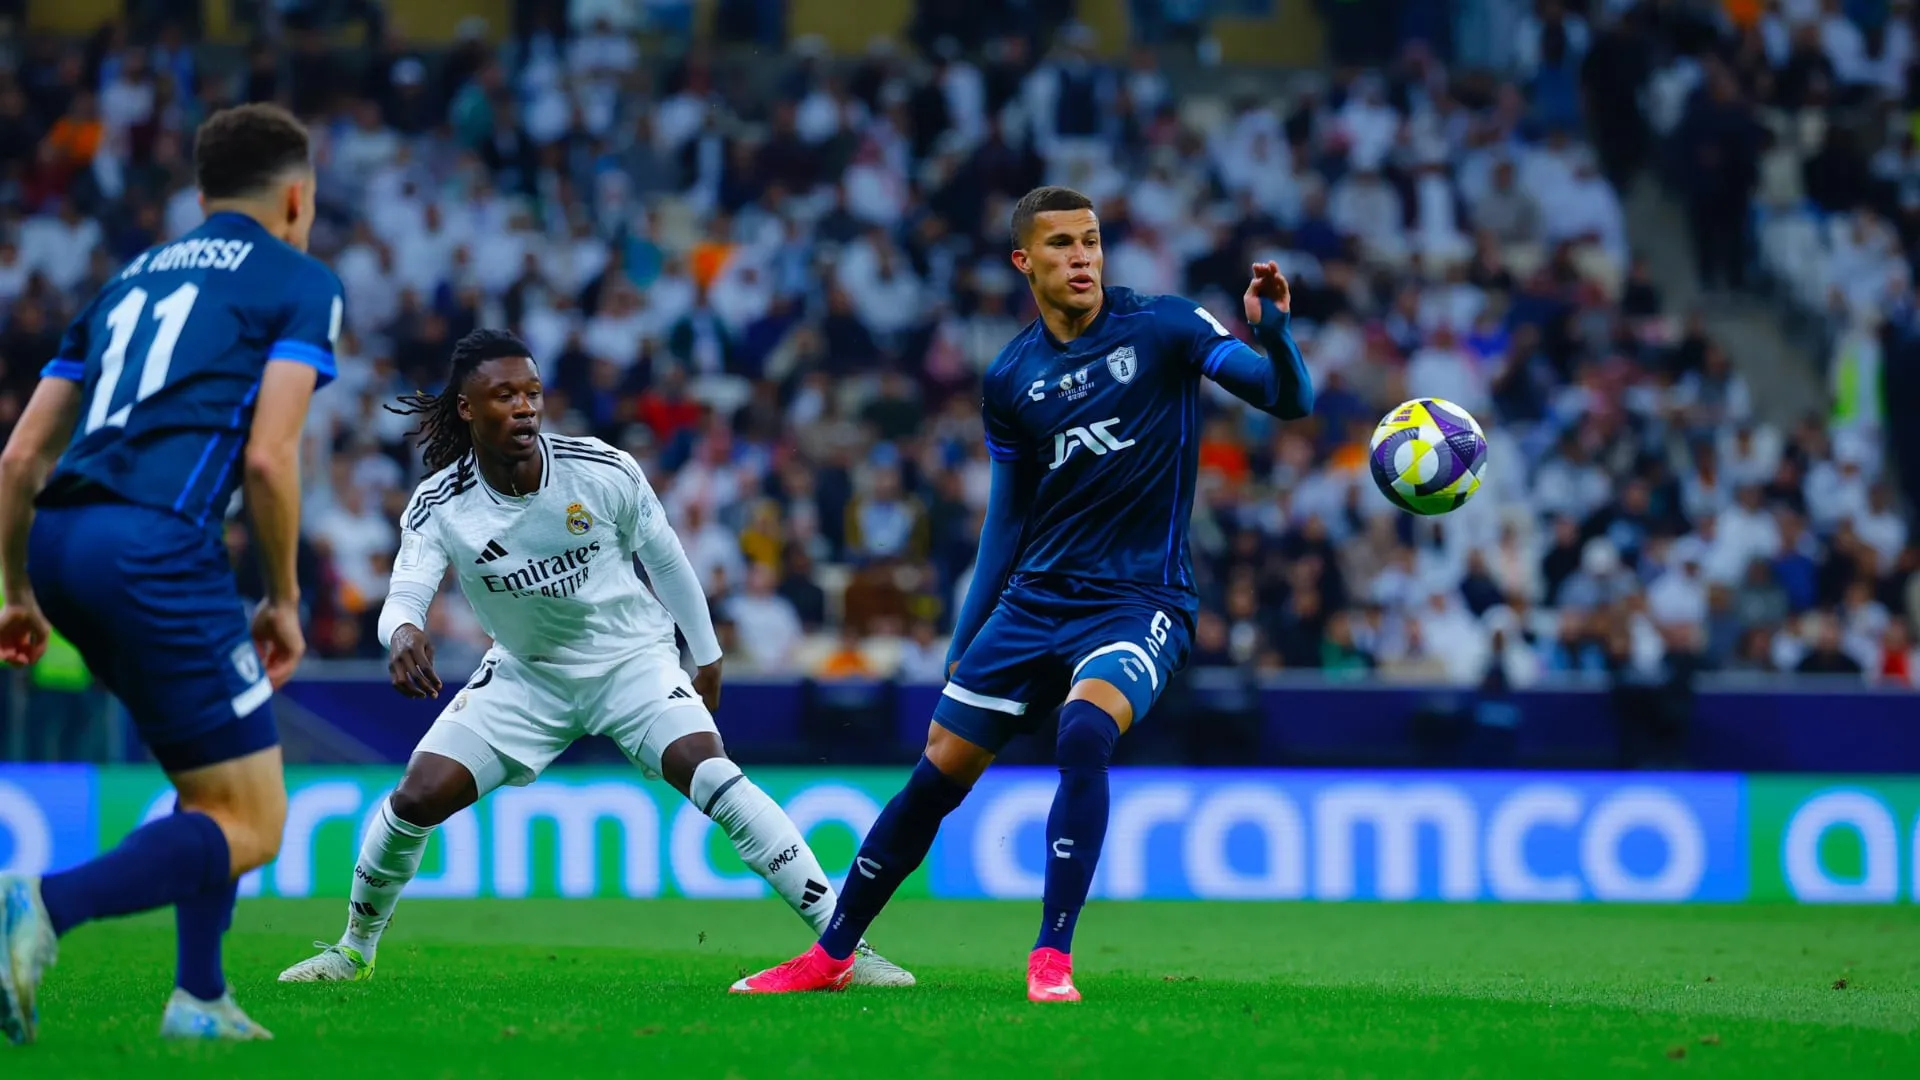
<point x="514" y="716"/>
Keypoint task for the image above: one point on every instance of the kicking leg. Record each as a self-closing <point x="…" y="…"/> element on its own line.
<point x="451" y="771"/>
<point x="767" y="840"/>
<point x="894" y="848"/>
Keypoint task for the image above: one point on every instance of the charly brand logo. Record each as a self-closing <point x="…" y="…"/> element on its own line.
<point x="578" y="519"/>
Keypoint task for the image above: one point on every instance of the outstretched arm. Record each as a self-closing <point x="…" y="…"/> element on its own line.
<point x="1278" y="382"/>
<point x="1009" y="498"/>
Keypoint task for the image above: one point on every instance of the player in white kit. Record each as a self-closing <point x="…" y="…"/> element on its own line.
<point x="544" y="534"/>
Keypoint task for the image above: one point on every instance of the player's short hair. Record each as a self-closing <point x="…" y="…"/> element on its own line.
<point x="444" y="438"/>
<point x="239" y="151"/>
<point x="1043" y="200"/>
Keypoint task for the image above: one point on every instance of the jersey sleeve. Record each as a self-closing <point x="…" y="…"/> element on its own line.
<point x="637" y="510"/>
<point x="1277" y="383"/>
<point x="70" y="362"/>
<point x="1193" y="334"/>
<point x="996" y="414"/>
<point x="312" y="326"/>
<point x="423" y="558"/>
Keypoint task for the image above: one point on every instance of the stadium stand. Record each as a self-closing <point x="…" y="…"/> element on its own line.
<point x="776" y="283"/>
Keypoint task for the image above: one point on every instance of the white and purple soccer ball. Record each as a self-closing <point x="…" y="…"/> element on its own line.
<point x="1428" y="456"/>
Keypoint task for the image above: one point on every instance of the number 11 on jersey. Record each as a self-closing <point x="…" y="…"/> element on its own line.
<point x="122" y="321"/>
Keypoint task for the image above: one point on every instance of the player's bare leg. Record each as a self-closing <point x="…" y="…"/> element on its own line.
<point x="698" y="767"/>
<point x="1096" y="714"/>
<point x="893" y="849"/>
<point x="433" y="789"/>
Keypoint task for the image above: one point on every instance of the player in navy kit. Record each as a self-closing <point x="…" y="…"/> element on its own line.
<point x="187" y="377"/>
<point x="1082" y="589"/>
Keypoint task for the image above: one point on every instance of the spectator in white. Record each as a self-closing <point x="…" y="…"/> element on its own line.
<point x="183" y="214"/>
<point x="1368" y="208"/>
<point x="876" y="192"/>
<point x="1678" y="597"/>
<point x="1706" y="489"/>
<point x="1881" y="527"/>
<point x="500" y="254"/>
<point x="572" y="263"/>
<point x="1456" y="302"/>
<point x="60" y="245"/>
<point x="1436" y="221"/>
<point x="422" y="258"/>
<point x="1749" y="527"/>
<point x="1837" y="490"/>
<point x="1144" y="262"/>
<point x="1446" y="619"/>
<point x="672" y="296"/>
<point x="712" y="548"/>
<point x="827" y="110"/>
<point x="1863" y="623"/>
<point x="1844" y="45"/>
<point x="1444" y="370"/>
<point x="603" y="51"/>
<point x="1516" y="563"/>
<point x="1164" y="198"/>
<point x="363" y="149"/>
<point x="361" y="539"/>
<point x="1367" y="124"/>
<point x="1887" y="68"/>
<point x="883" y="522"/>
<point x="1546" y="169"/>
<point x="1527" y="40"/>
<point x="890" y="301"/>
<point x="768" y="626"/>
<point x="1570" y="482"/>
<point x="128" y="101"/>
<point x="964" y="90"/>
<point x="1588" y="209"/>
<point x="741" y="295"/>
<point x="367" y="272"/>
<point x="617" y="332"/>
<point x="1507" y="646"/>
<point x="1750" y="452"/>
<point x="923" y="657"/>
<point x="548" y="323"/>
<point x="1716" y="395"/>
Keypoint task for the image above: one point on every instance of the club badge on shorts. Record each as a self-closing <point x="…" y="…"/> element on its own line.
<point x="246" y="662"/>
<point x="578" y="520"/>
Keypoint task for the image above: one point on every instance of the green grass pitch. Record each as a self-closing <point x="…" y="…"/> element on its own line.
<point x="538" y="989"/>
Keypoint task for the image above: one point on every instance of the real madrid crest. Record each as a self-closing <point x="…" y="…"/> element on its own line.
<point x="578" y="520"/>
<point x="1122" y="364"/>
<point x="459" y="702"/>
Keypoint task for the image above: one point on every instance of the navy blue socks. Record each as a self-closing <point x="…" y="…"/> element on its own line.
<point x="200" y="924"/>
<point x="1077" y="824"/>
<point x="175" y="859"/>
<point x="896" y="845"/>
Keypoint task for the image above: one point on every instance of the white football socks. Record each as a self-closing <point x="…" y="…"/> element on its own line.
<point x="765" y="838"/>
<point x="389" y="857"/>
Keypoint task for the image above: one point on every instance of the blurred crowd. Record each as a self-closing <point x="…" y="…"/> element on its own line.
<point x="777" y="283"/>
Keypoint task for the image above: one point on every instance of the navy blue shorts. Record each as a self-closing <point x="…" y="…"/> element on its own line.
<point x="1045" y="632"/>
<point x="150" y="602"/>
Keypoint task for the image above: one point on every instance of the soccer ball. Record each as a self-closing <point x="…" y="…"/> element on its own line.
<point x="1428" y="456"/>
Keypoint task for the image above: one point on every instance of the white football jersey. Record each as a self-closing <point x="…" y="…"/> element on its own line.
<point x="552" y="575"/>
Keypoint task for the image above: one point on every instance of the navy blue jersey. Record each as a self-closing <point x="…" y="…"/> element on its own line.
<point x="170" y="356"/>
<point x="1107" y="429"/>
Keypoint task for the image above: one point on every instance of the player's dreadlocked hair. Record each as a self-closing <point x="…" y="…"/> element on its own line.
<point x="445" y="438"/>
<point x="1043" y="200"/>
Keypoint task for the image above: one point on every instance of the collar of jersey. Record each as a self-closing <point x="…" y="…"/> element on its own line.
<point x="1099" y="322"/>
<point x="235" y="217"/>
<point x="546" y="478"/>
